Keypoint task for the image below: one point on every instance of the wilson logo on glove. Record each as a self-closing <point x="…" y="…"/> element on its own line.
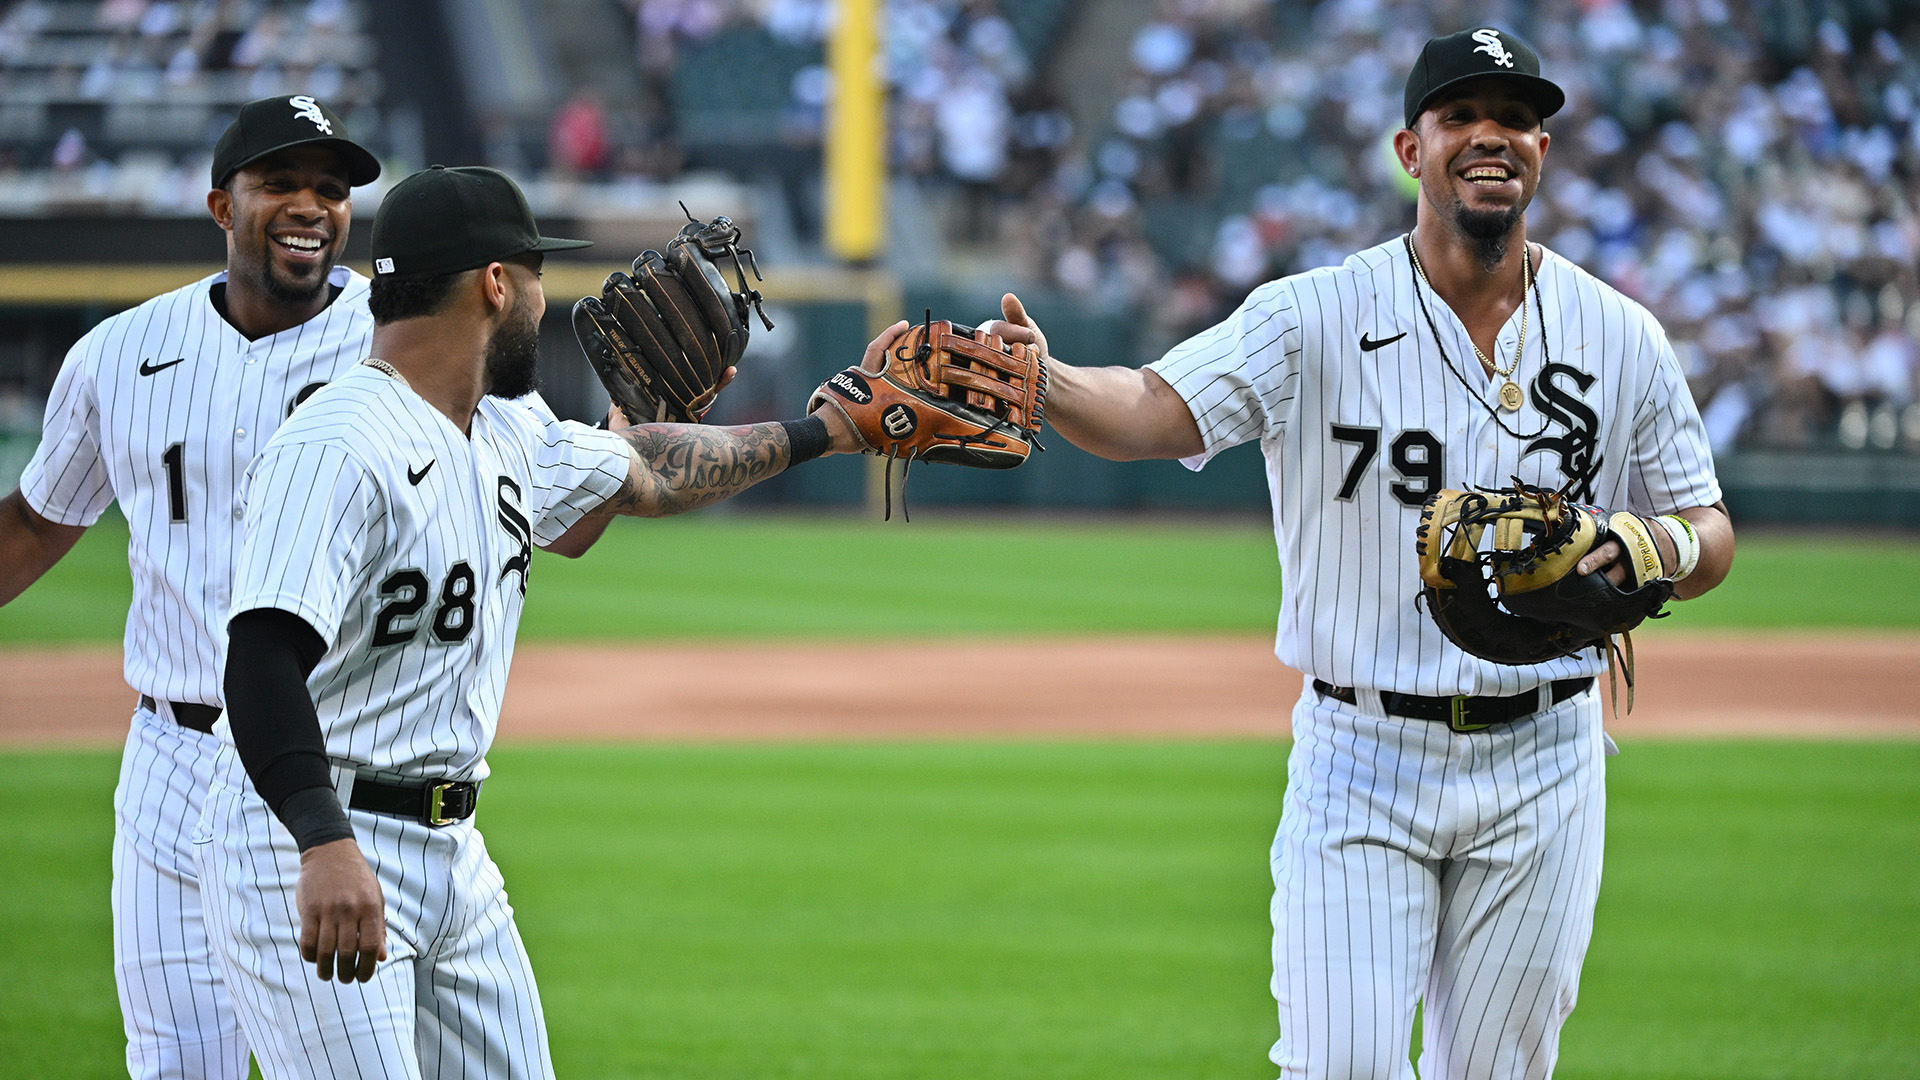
<point x="898" y="421"/>
<point x="852" y="386"/>
<point x="945" y="393"/>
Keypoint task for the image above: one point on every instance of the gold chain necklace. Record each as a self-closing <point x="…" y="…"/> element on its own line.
<point x="380" y="365"/>
<point x="1510" y="395"/>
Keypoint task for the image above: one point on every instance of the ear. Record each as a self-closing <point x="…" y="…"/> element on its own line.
<point x="220" y="205"/>
<point x="1406" y="147"/>
<point x="494" y="289"/>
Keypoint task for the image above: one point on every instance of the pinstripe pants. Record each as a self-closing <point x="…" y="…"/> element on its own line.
<point x="1415" y="863"/>
<point x="455" y="996"/>
<point x="179" y="1019"/>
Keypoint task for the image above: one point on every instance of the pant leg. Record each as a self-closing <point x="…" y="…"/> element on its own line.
<point x="299" y="1027"/>
<point x="1356" y="890"/>
<point x="1517" y="912"/>
<point x="479" y="1008"/>
<point x="179" y="1019"/>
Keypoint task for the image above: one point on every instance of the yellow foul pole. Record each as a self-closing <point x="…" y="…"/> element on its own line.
<point x="856" y="134"/>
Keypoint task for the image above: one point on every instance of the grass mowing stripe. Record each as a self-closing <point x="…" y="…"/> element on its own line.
<point x="718" y="576"/>
<point x="1058" y="910"/>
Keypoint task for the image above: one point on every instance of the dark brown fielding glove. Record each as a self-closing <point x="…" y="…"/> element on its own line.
<point x="662" y="338"/>
<point x="1524" y="601"/>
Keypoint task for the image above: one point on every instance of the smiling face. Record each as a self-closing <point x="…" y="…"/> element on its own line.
<point x="286" y="217"/>
<point x="1477" y="152"/>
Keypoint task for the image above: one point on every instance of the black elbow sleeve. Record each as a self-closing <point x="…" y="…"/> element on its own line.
<point x="270" y="653"/>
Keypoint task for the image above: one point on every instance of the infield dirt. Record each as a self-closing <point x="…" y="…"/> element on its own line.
<point x="1810" y="686"/>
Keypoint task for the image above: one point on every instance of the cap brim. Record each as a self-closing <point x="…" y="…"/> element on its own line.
<point x="1547" y="97"/>
<point x="555" y="243"/>
<point x="362" y="167"/>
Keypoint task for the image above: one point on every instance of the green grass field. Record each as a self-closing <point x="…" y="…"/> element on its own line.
<point x="1055" y="912"/>
<point x="1013" y="910"/>
<point x="748" y="576"/>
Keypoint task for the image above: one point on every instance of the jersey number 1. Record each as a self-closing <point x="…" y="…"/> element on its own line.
<point x="174" y="460"/>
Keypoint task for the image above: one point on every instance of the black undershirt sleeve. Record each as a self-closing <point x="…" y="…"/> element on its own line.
<point x="270" y="653"/>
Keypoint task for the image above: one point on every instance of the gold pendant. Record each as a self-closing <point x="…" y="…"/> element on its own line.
<point x="1510" y="397"/>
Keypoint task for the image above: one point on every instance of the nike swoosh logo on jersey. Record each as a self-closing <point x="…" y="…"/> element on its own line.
<point x="148" y="367"/>
<point x="414" y="478"/>
<point x="1369" y="346"/>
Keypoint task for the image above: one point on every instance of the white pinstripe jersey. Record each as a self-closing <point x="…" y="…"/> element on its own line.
<point x="1340" y="376"/>
<point x="162" y="407"/>
<point x="407" y="544"/>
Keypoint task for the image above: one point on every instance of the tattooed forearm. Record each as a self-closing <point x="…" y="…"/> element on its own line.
<point x="682" y="467"/>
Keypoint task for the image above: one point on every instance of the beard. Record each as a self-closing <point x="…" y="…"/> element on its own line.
<point x="292" y="291"/>
<point x="1487" y="230"/>
<point x="513" y="356"/>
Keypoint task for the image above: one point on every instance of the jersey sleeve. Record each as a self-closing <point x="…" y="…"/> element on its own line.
<point x="315" y="519"/>
<point x="67" y="482"/>
<point x="1235" y="375"/>
<point x="1672" y="461"/>
<point x="575" y="469"/>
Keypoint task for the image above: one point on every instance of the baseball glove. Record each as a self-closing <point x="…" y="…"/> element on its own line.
<point x="662" y="338"/>
<point x="1539" y="607"/>
<point x="945" y="393"/>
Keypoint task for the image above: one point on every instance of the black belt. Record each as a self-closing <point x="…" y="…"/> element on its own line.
<point x="188" y="714"/>
<point x="429" y="802"/>
<point x="1460" y="712"/>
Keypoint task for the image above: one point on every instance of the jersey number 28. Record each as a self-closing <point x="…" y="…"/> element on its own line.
<point x="406" y="593"/>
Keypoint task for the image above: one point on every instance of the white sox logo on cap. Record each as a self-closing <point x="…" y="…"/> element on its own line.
<point x="1491" y="44"/>
<point x="306" y="108"/>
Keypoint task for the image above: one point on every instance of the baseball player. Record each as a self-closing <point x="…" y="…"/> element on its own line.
<point x="357" y="916"/>
<point x="161" y="407"/>
<point x="1441" y="833"/>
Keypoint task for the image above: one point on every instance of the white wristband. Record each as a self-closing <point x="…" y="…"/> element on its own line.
<point x="1686" y="543"/>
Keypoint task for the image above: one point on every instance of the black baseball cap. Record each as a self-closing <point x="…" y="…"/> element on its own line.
<point x="442" y="221"/>
<point x="1477" y="54"/>
<point x="276" y="123"/>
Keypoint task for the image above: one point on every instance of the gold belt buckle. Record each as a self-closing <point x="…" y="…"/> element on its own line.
<point x="436" y="805"/>
<point x="1458" y="721"/>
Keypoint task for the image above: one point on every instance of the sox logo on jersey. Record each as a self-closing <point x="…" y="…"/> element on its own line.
<point x="1402" y="844"/>
<point x="162" y="407"/>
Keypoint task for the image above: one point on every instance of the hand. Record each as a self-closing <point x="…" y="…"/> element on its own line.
<point x="1017" y="325"/>
<point x="1612" y="555"/>
<point x="1607" y="555"/>
<point x="343" y="918"/>
<point x="874" y="360"/>
<point x="845" y="438"/>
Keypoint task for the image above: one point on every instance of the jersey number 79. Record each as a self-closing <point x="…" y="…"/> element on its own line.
<point x="1416" y="455"/>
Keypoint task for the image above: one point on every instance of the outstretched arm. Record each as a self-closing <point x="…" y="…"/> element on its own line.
<point x="680" y="467"/>
<point x="29" y="544"/>
<point x="1118" y="413"/>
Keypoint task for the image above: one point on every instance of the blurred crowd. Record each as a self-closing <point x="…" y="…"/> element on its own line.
<point x="1747" y="171"/>
<point x="116" y="104"/>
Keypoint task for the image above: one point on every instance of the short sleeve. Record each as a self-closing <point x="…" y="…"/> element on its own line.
<point x="575" y="469"/>
<point x="1672" y="461"/>
<point x="315" y="518"/>
<point x="1235" y="375"/>
<point x="67" y="482"/>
